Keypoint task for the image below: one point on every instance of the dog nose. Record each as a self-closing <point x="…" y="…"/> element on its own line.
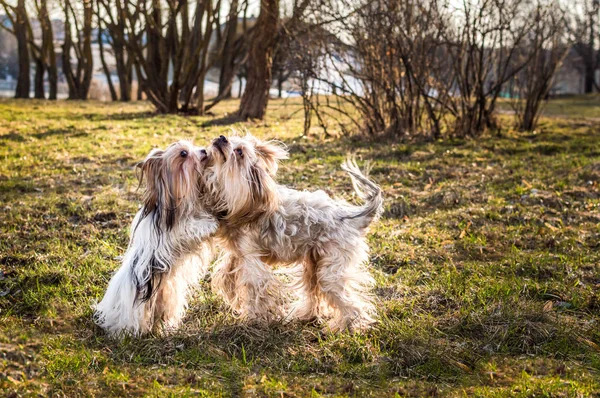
<point x="203" y="152"/>
<point x="223" y="139"/>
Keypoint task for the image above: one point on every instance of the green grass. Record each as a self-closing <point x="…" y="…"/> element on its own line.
<point x="580" y="107"/>
<point x="487" y="261"/>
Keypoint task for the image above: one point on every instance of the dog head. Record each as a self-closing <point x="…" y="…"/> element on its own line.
<point x="172" y="178"/>
<point x="241" y="176"/>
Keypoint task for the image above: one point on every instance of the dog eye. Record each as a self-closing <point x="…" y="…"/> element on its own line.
<point x="239" y="152"/>
<point x="183" y="154"/>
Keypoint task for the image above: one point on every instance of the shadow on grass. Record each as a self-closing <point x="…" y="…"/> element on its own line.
<point x="123" y="116"/>
<point x="66" y="132"/>
<point x="232" y="350"/>
<point x="12" y="136"/>
<point x="222" y="121"/>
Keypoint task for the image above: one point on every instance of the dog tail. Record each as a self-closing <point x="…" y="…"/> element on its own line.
<point x="368" y="191"/>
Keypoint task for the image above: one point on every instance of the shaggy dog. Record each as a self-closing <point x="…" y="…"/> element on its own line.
<point x="169" y="250"/>
<point x="263" y="224"/>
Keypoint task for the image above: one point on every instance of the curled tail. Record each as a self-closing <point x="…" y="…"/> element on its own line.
<point x="368" y="191"/>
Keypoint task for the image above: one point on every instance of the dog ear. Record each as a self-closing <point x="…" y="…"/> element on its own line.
<point x="264" y="190"/>
<point x="271" y="152"/>
<point x="151" y="174"/>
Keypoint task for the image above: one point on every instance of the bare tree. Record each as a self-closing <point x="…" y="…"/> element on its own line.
<point x="229" y="50"/>
<point x="47" y="47"/>
<point x="484" y="53"/>
<point x="19" y="22"/>
<point x="548" y="47"/>
<point x="390" y="74"/>
<point x="40" y="70"/>
<point x="38" y="54"/>
<point x="78" y="80"/>
<point x="414" y="68"/>
<point x="178" y="34"/>
<point x="105" y="68"/>
<point x="260" y="60"/>
<point x="111" y="15"/>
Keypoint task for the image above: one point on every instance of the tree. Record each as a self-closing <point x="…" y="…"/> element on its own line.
<point x="546" y="46"/>
<point x="229" y="53"/>
<point x="177" y="36"/>
<point x="389" y="75"/>
<point x="105" y="68"/>
<point x="415" y="68"/>
<point x="256" y="96"/>
<point x="38" y="59"/>
<point x="47" y="51"/>
<point x="19" y="21"/>
<point x="79" y="81"/>
<point x="112" y="17"/>
<point x="485" y="55"/>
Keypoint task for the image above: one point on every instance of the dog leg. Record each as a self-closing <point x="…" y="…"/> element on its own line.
<point x="247" y="284"/>
<point x="306" y="308"/>
<point x="174" y="291"/>
<point x="249" y="287"/>
<point x="224" y="279"/>
<point x="344" y="283"/>
<point x="258" y="292"/>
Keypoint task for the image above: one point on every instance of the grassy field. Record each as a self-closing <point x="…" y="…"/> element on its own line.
<point x="487" y="261"/>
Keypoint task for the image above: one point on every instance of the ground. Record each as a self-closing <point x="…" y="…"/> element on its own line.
<point x="487" y="262"/>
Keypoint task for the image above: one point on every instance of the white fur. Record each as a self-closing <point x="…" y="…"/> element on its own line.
<point x="121" y="311"/>
<point x="173" y="256"/>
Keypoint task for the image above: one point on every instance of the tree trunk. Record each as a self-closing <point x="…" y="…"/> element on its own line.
<point x="23" y="80"/>
<point x="79" y="83"/>
<point x="256" y="96"/>
<point x="123" y="72"/>
<point x="589" y="78"/>
<point x="53" y="77"/>
<point x="279" y="87"/>
<point x="48" y="53"/>
<point x="590" y="64"/>
<point x="111" y="86"/>
<point x="228" y="59"/>
<point x="66" y="54"/>
<point x="39" y="79"/>
<point x="88" y="58"/>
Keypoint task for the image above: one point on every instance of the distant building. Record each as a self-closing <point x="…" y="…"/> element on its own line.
<point x="570" y="79"/>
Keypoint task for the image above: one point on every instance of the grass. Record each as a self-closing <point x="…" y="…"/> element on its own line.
<point x="568" y="107"/>
<point x="487" y="261"/>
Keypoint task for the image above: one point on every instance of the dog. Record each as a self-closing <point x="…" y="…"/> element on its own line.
<point x="169" y="249"/>
<point x="263" y="224"/>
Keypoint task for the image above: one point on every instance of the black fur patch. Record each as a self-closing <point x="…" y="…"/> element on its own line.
<point x="146" y="290"/>
<point x="255" y="180"/>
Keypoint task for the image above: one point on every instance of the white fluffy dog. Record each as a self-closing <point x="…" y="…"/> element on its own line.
<point x="263" y="223"/>
<point x="169" y="250"/>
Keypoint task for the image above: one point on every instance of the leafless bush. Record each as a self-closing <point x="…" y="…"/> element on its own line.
<point x="384" y="59"/>
<point x="423" y="69"/>
<point x="483" y="48"/>
<point x="546" y="46"/>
